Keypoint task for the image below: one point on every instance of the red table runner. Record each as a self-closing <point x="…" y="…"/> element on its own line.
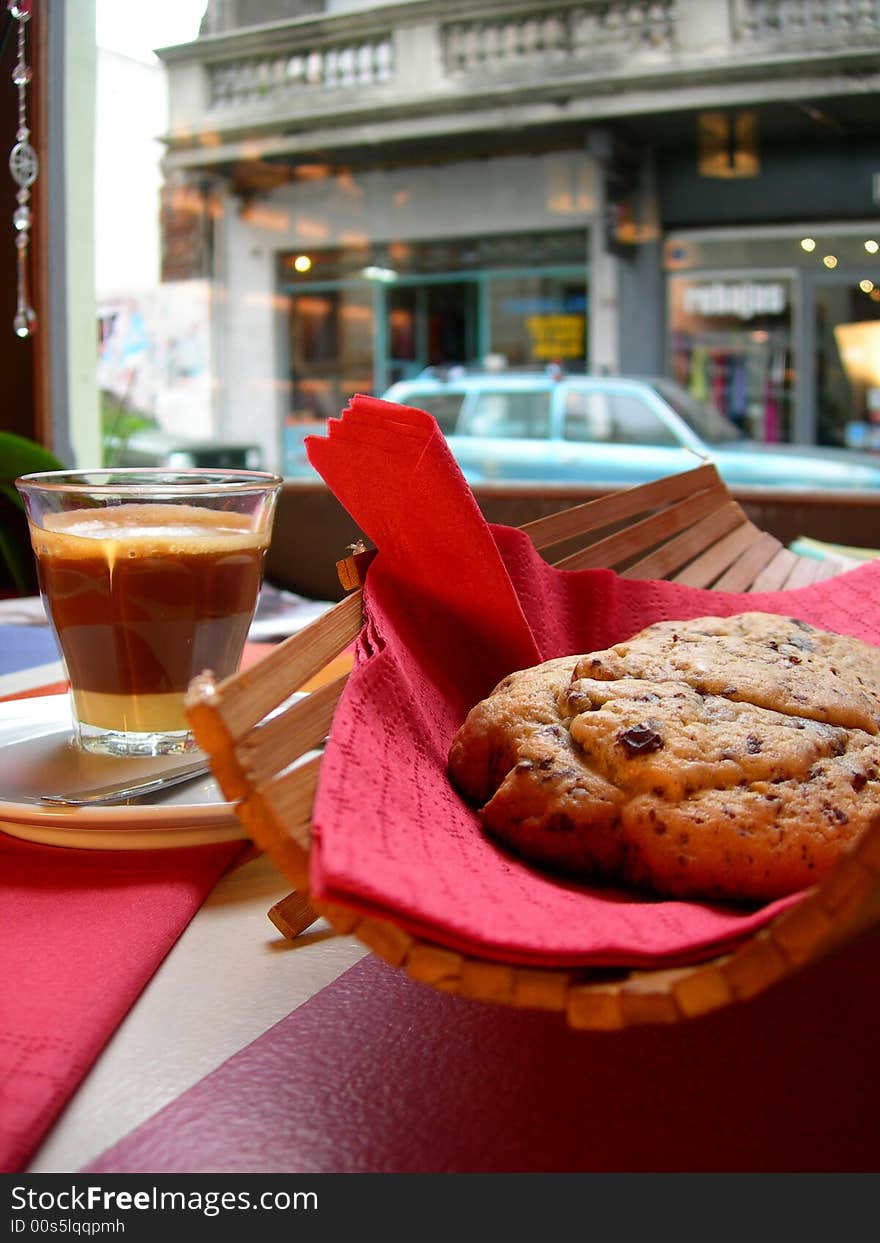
<point x="81" y="934"/>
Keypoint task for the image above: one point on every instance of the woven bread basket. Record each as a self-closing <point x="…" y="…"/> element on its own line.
<point x="686" y="528"/>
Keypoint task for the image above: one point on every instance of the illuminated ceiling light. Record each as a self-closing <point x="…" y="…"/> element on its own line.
<point x="866" y="286"/>
<point x="830" y="261"/>
<point x="808" y="244"/>
<point x="375" y="273"/>
<point x="728" y="145"/>
<point x="302" y="263"/>
<point x="871" y="246"/>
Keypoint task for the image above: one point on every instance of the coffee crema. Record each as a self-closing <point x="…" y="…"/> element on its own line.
<point x="142" y="597"/>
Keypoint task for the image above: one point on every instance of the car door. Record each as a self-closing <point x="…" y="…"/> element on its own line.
<point x="504" y="432"/>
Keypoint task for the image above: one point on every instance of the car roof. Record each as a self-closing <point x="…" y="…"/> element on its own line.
<point x="512" y="379"/>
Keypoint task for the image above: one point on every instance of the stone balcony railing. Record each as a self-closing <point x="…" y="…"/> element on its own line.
<point x="427" y="68"/>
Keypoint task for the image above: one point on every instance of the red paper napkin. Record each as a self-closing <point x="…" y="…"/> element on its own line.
<point x="81" y="934"/>
<point x="451" y="606"/>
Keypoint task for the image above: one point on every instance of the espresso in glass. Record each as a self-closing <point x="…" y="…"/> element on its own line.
<point x="144" y="594"/>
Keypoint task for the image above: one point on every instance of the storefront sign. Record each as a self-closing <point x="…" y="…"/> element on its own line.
<point x="743" y="299"/>
<point x="556" y="336"/>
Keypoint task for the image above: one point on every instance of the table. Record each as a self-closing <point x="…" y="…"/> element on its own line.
<point x="247" y="1053"/>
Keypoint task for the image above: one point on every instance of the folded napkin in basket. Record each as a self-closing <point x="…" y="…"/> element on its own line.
<point x="451" y="606"/>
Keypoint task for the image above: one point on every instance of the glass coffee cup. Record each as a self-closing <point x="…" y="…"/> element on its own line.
<point x="148" y="578"/>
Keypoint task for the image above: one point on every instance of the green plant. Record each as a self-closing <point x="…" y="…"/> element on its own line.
<point x="18" y="456"/>
<point x="118" y="422"/>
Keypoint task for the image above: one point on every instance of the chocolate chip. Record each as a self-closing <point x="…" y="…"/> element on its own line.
<point x="640" y="739"/>
<point x="802" y="645"/>
<point x="859" y="781"/>
<point x="753" y="744"/>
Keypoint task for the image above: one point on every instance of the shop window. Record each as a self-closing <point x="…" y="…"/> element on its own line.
<point x="731" y="347"/>
<point x="331" y="351"/>
<point x="537" y="319"/>
<point x="847" y="360"/>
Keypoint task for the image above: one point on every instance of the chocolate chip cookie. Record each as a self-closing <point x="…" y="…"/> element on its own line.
<point x="721" y="758"/>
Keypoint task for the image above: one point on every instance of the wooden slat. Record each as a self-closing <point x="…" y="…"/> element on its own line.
<point x="486" y="981"/>
<point x="273" y="745"/>
<point x="441" y="968"/>
<point x="805" y="571"/>
<point x="291" y="795"/>
<point x="711" y="564"/>
<point x="609" y="552"/>
<point x="242" y="700"/>
<point x="617" y="506"/>
<point x="292" y="915"/>
<point x="683" y="548"/>
<point x="742" y="573"/>
<point x="775" y="572"/>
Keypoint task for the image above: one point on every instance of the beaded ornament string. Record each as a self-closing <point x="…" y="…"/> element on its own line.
<point x="24" y="166"/>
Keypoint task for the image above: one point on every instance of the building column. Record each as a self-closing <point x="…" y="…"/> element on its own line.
<point x="603" y="351"/>
<point x="70" y="253"/>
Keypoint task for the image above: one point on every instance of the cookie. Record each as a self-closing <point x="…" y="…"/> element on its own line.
<point x="696" y="760"/>
<point x="775" y="662"/>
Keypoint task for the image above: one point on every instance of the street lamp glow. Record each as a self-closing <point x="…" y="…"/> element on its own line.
<point x="302" y="263"/>
<point x="871" y="246"/>
<point x="830" y="261"/>
<point x="808" y="244"/>
<point x="866" y="286"/>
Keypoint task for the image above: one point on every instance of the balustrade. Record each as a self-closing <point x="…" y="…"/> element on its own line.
<point x="578" y="33"/>
<point x="272" y="78"/>
<point x="564" y="38"/>
<point x="815" y="20"/>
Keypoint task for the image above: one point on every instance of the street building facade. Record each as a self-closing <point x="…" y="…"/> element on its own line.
<point x="687" y="188"/>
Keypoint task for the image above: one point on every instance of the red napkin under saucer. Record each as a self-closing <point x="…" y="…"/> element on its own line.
<point x="81" y="934"/>
<point x="451" y="606"/>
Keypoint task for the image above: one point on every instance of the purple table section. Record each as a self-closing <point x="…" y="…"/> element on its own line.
<point x="379" y="1074"/>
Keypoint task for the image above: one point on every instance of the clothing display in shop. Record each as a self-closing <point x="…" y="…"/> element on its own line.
<point x="744" y="379"/>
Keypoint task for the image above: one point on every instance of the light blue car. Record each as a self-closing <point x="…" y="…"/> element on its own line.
<point x="604" y="430"/>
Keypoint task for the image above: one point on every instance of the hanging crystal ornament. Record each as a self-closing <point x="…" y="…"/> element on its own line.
<point x="24" y="166"/>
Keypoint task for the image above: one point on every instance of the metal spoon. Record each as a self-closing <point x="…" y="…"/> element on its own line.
<point x="119" y="791"/>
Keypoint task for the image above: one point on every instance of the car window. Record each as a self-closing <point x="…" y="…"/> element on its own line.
<point x="445" y="407"/>
<point x="709" y="423"/>
<point x="523" y="414"/>
<point x="587" y="416"/>
<point x="635" y="423"/>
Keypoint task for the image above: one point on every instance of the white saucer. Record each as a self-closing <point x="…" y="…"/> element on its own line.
<point x="37" y="755"/>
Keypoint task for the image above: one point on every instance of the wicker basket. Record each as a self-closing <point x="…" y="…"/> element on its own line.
<point x="685" y="528"/>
